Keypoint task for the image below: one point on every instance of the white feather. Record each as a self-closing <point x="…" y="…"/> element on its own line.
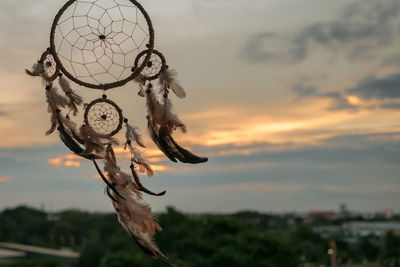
<point x="37" y="70"/>
<point x="154" y="108"/>
<point x="141" y="80"/>
<point x="93" y="142"/>
<point x="143" y="165"/>
<point x="169" y="118"/>
<point x="55" y="100"/>
<point x="74" y="99"/>
<point x="132" y="133"/>
<point x="168" y="81"/>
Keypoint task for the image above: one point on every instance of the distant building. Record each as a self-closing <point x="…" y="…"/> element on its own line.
<point x="389" y="214"/>
<point x="378" y="229"/>
<point x="327" y="215"/>
<point x="343" y="211"/>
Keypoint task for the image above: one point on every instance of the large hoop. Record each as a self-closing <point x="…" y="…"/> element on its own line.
<point x="99" y="85"/>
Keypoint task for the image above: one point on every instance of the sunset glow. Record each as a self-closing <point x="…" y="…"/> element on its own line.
<point x="295" y="102"/>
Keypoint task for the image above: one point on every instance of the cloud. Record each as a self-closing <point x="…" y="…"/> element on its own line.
<point x="302" y="90"/>
<point x="2" y="111"/>
<point x="363" y="27"/>
<point x="391" y="105"/>
<point x="65" y="161"/>
<point x="369" y="93"/>
<point x="5" y="179"/>
<point x="339" y="101"/>
<point x="352" y="168"/>
<point x="373" y="87"/>
<point x="264" y="47"/>
<point x="390" y="61"/>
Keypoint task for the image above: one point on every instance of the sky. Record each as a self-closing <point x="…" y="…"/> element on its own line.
<point x="296" y="103"/>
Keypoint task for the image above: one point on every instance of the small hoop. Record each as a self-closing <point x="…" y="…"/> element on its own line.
<point x="151" y="72"/>
<point x="104" y="117"/>
<point x="50" y="66"/>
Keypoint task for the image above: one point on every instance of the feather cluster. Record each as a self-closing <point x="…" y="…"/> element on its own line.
<point x="161" y="124"/>
<point x="37" y="69"/>
<point x="93" y="142"/>
<point x="74" y="99"/>
<point x="168" y="82"/>
<point x="132" y="134"/>
<point x="137" y="158"/>
<point x="134" y="214"/>
<point x="161" y="113"/>
<point x="55" y="102"/>
<point x="141" y="80"/>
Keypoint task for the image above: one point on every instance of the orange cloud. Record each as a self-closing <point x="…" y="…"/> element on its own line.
<point x="70" y="163"/>
<point x="5" y="179"/>
<point x="262" y="130"/>
<point x="151" y="154"/>
<point x="56" y="162"/>
<point x="68" y="160"/>
<point x="156" y="168"/>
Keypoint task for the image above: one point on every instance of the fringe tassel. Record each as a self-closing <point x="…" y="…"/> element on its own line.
<point x="135" y="216"/>
<point x="133" y="213"/>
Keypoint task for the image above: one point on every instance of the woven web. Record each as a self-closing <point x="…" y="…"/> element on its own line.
<point x="50" y="66"/>
<point x="97" y="41"/>
<point x="104" y="118"/>
<point x="153" y="67"/>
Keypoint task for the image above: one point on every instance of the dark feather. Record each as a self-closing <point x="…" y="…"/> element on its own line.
<point x="140" y="185"/>
<point x="53" y="127"/>
<point x="109" y="194"/>
<point x="68" y="140"/>
<point x="78" y="138"/>
<point x="153" y="253"/>
<point x="71" y="143"/>
<point x="189" y="156"/>
<point x="161" y="144"/>
<point x="179" y="152"/>
<point x="105" y="179"/>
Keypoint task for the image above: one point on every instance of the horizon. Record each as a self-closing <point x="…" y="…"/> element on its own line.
<point x="350" y="215"/>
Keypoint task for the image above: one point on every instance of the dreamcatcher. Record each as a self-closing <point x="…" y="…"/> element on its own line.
<point x="104" y="44"/>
